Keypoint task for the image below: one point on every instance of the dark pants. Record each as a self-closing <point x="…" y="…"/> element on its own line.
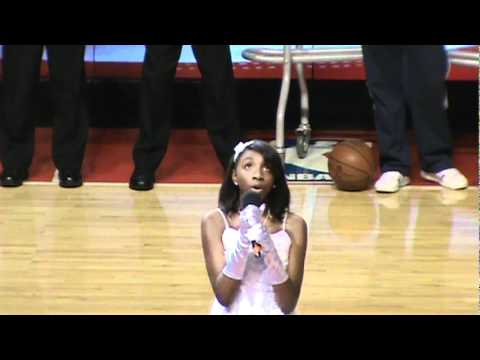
<point x="21" y="71"/>
<point x="402" y="78"/>
<point x="156" y="102"/>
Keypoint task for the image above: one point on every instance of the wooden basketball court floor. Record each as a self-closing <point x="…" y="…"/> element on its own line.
<point x="103" y="249"/>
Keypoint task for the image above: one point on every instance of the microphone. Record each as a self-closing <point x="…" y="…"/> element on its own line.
<point x="252" y="198"/>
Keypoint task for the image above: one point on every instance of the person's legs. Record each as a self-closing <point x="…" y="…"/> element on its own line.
<point x="21" y="70"/>
<point x="156" y="95"/>
<point x="425" y="72"/>
<point x="219" y="97"/>
<point x="383" y="65"/>
<point x="384" y="68"/>
<point x="67" y="76"/>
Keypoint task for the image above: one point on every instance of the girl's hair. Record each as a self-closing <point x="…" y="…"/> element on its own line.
<point x="277" y="201"/>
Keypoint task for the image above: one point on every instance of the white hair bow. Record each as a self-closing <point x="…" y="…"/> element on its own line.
<point x="240" y="148"/>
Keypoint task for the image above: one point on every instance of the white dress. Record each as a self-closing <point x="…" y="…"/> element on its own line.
<point x="255" y="297"/>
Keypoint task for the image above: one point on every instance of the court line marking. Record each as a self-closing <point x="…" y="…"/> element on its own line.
<point x="211" y="185"/>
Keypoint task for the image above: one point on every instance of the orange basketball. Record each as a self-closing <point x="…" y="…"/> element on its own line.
<point x="351" y="165"/>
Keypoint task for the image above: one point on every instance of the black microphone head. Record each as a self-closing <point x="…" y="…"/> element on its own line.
<point x="250" y="198"/>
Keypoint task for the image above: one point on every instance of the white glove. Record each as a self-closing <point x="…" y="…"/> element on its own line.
<point x="275" y="273"/>
<point x="250" y="216"/>
<point x="237" y="259"/>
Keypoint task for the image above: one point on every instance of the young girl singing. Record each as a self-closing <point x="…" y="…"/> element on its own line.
<point x="249" y="279"/>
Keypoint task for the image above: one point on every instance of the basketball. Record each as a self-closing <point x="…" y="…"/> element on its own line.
<point x="351" y="165"/>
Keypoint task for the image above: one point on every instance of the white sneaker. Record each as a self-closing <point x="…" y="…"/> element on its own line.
<point x="449" y="178"/>
<point x="391" y="181"/>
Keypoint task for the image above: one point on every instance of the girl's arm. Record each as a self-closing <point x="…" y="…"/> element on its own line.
<point x="225" y="287"/>
<point x="287" y="293"/>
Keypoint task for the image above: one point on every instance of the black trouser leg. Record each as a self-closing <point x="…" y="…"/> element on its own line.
<point x="21" y="70"/>
<point x="156" y="102"/>
<point x="67" y="76"/>
<point x="219" y="98"/>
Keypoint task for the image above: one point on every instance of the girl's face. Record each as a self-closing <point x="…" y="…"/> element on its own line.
<point x="251" y="173"/>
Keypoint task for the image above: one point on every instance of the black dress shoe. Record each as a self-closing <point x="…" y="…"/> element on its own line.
<point x="70" y="179"/>
<point x="12" y="178"/>
<point x="142" y="181"/>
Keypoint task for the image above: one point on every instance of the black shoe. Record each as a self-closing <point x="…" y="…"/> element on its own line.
<point x="70" y="179"/>
<point x="142" y="181"/>
<point x="13" y="178"/>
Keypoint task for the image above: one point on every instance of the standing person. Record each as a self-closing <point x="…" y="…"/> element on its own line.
<point x="411" y="77"/>
<point x="156" y="102"/>
<point x="21" y="72"/>
<point x="242" y="282"/>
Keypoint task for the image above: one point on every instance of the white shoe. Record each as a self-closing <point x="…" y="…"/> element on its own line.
<point x="449" y="178"/>
<point x="391" y="181"/>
